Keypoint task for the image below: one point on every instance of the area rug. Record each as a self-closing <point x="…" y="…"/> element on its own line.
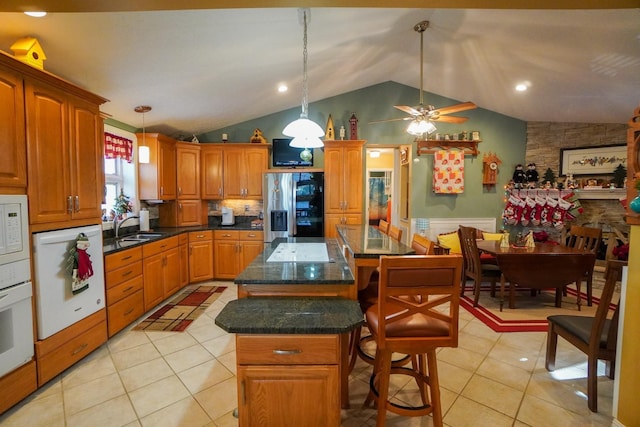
<point x="177" y="314"/>
<point x="530" y="312"/>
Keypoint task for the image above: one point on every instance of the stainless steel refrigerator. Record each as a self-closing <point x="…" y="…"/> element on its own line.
<point x="293" y="204"/>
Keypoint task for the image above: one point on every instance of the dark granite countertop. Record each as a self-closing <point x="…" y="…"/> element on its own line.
<point x="261" y="272"/>
<point x="364" y="241"/>
<point x="290" y="315"/>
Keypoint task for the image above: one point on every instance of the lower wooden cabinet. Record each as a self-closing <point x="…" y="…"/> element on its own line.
<point x="288" y="380"/>
<point x="183" y="248"/>
<point x="161" y="270"/>
<point x="234" y="250"/>
<point x="21" y="383"/>
<point x="123" y="283"/>
<point x="332" y="220"/>
<point x="200" y="256"/>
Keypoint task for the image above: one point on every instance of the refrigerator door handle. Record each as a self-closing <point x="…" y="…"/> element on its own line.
<point x="294" y="207"/>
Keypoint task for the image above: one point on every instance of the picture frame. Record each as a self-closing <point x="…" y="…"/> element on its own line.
<point x="600" y="160"/>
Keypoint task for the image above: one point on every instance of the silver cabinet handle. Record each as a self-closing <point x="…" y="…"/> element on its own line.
<point x="286" y="352"/>
<point x="69" y="204"/>
<point x="77" y="208"/>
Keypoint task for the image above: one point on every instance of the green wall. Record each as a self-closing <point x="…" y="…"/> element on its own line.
<point x="500" y="134"/>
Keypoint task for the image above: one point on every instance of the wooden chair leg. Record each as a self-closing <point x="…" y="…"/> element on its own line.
<point x="592" y="384"/>
<point x="477" y="283"/>
<point x="384" y="375"/>
<point x="590" y="289"/>
<point x="434" y="387"/>
<point x="552" y="345"/>
<point x="354" y="339"/>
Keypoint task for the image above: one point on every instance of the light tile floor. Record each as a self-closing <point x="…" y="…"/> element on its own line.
<point x="188" y="380"/>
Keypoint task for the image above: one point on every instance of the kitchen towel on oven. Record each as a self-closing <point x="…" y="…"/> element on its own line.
<point x="448" y="172"/>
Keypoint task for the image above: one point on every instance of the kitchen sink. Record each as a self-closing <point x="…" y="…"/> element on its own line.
<point x="141" y="237"/>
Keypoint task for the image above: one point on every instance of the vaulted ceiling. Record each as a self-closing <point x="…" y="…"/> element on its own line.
<point x="202" y="69"/>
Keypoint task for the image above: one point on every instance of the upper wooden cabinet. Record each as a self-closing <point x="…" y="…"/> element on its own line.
<point x="65" y="157"/>
<point x="188" y="170"/>
<point x="13" y="162"/>
<point x="244" y="165"/>
<point x="211" y="172"/>
<point x="157" y="180"/>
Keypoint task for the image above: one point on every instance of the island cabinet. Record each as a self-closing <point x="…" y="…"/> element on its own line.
<point x="244" y="165"/>
<point x="161" y="270"/>
<point x="288" y="380"/>
<point x="157" y="180"/>
<point x="211" y="172"/>
<point x="13" y="162"/>
<point x="124" y="286"/>
<point x="234" y="250"/>
<point x="64" y="156"/>
<point x="200" y="256"/>
<point x="343" y="183"/>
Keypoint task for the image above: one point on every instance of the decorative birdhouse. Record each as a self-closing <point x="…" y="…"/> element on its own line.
<point x="329" y="133"/>
<point x="29" y="51"/>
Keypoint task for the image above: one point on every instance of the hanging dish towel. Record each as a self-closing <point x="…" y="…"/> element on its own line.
<point x="448" y="172"/>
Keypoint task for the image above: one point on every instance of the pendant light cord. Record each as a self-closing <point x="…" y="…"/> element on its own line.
<point x="305" y="89"/>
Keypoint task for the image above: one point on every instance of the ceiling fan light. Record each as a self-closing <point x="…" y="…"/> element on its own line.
<point x="303" y="127"/>
<point x="306" y="142"/>
<point x="420" y="127"/>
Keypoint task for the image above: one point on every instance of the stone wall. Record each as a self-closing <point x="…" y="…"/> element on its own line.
<point x="544" y="141"/>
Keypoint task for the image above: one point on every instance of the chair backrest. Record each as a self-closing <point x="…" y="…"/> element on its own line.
<point x="383" y="226"/>
<point x="540" y="271"/>
<point x="587" y="238"/>
<point x="472" y="265"/>
<point x="395" y="233"/>
<point x="422" y="245"/>
<point x="613" y="273"/>
<point x="419" y="290"/>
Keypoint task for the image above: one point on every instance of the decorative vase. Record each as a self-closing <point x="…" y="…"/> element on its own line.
<point x="635" y="204"/>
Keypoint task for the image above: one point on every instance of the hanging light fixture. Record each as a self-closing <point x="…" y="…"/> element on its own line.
<point x="143" y="148"/>
<point x="306" y="133"/>
<point x="421" y="125"/>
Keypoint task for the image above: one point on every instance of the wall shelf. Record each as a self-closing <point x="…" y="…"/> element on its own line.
<point x="431" y="146"/>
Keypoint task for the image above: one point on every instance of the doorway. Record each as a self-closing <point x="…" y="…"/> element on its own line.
<point x="379" y="192"/>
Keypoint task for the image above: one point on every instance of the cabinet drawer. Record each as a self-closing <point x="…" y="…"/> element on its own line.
<point x="159" y="246"/>
<point x="287" y="349"/>
<point x="125" y="312"/>
<point x="196" y="236"/>
<point x="251" y="235"/>
<point x="122" y="258"/>
<point x="117" y="276"/>
<point x="116" y="293"/>
<point x="226" y="234"/>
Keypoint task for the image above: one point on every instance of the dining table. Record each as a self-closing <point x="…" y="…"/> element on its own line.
<point x="539" y="266"/>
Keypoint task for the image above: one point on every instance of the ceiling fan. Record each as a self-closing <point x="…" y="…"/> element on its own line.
<point x="422" y="117"/>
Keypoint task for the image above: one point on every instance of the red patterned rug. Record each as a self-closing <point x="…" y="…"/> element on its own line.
<point x="177" y="314"/>
<point x="530" y="312"/>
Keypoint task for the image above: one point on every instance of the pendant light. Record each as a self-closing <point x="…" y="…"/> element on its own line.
<point x="143" y="148"/>
<point x="306" y="133"/>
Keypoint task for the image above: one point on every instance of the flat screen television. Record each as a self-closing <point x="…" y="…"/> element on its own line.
<point x="286" y="156"/>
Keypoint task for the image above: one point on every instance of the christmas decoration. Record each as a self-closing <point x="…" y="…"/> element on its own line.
<point x="619" y="174"/>
<point x="532" y="175"/>
<point x="79" y="262"/>
<point x="519" y="177"/>
<point x="122" y="204"/>
<point x="549" y="177"/>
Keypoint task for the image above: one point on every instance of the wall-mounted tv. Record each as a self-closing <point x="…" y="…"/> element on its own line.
<point x="286" y="156"/>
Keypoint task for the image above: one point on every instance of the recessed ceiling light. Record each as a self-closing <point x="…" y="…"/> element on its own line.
<point x="282" y="88"/>
<point x="523" y="87"/>
<point x="374" y="153"/>
<point x="36" y="14"/>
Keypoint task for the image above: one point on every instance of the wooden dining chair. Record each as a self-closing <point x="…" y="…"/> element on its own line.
<point x="395" y="233"/>
<point x="422" y="245"/>
<point x="595" y="336"/>
<point x="383" y="226"/>
<point x="588" y="239"/>
<point x="404" y="321"/>
<point x="542" y="271"/>
<point x="474" y="269"/>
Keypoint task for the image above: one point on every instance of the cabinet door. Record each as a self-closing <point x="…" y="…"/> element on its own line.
<point x="87" y="162"/>
<point x="184" y="264"/>
<point x="333" y="181"/>
<point x="234" y="176"/>
<point x="226" y="259"/>
<point x="352" y="179"/>
<point x="189" y="212"/>
<point x="171" y="272"/>
<point x="249" y="252"/>
<point x="168" y="168"/>
<point x="188" y="172"/>
<point x="212" y="173"/>
<point x="289" y="395"/>
<point x="153" y="281"/>
<point x="254" y="166"/>
<point x="13" y="161"/>
<point x="201" y="260"/>
<point x="48" y="153"/>
<point x="330" y="223"/>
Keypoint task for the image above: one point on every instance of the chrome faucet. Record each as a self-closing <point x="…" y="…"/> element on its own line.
<point x="117" y="225"/>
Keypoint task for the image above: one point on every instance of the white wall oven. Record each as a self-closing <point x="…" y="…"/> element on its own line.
<point x="16" y="316"/>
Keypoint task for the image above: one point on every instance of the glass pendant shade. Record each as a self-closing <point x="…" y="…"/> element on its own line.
<point x="306" y="142"/>
<point x="303" y="127"/>
<point x="143" y="154"/>
<point x="420" y="127"/>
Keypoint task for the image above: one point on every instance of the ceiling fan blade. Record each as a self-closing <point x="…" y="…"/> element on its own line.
<point x="449" y="119"/>
<point x="408" y="110"/>
<point x="391" y="120"/>
<point x="455" y="108"/>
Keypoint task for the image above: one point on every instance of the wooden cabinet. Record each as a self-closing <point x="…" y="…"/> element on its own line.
<point x="200" y="256"/>
<point x="188" y="170"/>
<point x="234" y="250"/>
<point x="65" y="157"/>
<point x="13" y="162"/>
<point x="124" y="288"/>
<point x="183" y="248"/>
<point x="343" y="183"/>
<point x="288" y="380"/>
<point x="161" y="270"/>
<point x="211" y="172"/>
<point x="22" y="382"/>
<point x="157" y="180"/>
<point x="243" y="169"/>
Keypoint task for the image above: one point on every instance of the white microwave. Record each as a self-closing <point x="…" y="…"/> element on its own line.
<point x="14" y="228"/>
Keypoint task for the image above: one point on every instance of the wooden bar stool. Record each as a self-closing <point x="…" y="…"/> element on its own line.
<point x="416" y="312"/>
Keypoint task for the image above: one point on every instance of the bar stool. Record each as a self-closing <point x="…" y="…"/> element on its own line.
<point x="417" y="312"/>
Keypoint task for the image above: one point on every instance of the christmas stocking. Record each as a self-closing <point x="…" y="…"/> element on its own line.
<point x="536" y="214"/>
<point x="529" y="208"/>
<point x="546" y="218"/>
<point x="513" y="210"/>
<point x="560" y="214"/>
<point x="576" y="208"/>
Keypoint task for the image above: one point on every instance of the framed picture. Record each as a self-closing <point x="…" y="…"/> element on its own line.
<point x="592" y="160"/>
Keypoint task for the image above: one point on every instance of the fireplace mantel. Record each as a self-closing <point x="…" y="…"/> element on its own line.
<point x="601" y="193"/>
